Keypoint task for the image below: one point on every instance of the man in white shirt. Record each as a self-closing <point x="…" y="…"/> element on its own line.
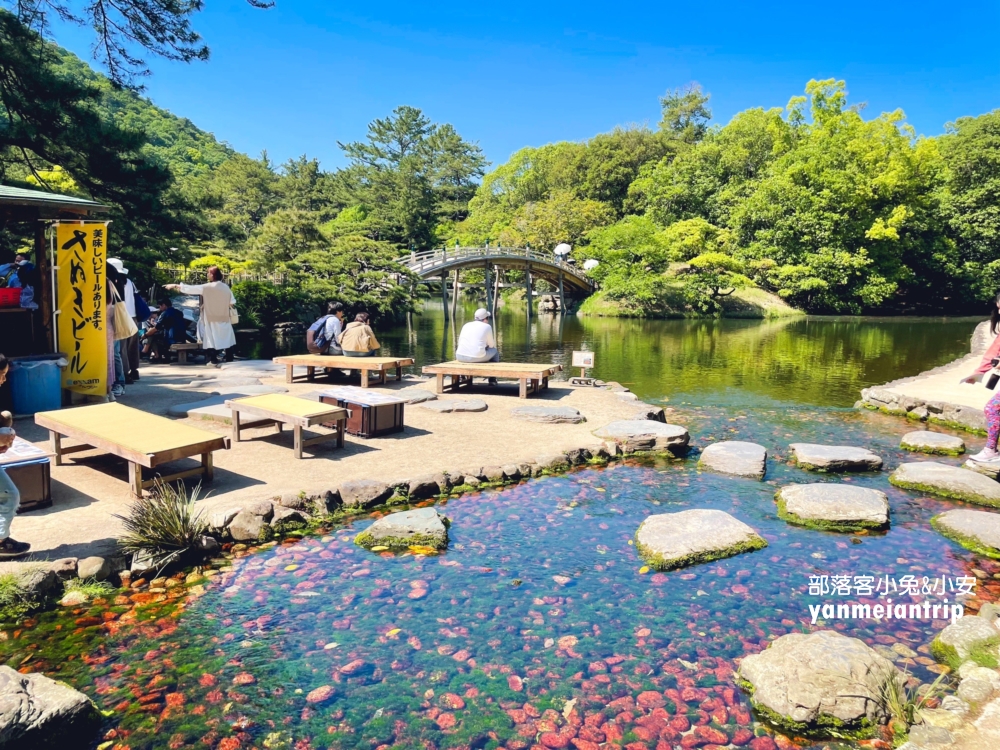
<point x="476" y="342"/>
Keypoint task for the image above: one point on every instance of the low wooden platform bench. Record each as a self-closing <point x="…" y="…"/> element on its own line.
<point x="368" y="366"/>
<point x="144" y="440"/>
<point x="280" y="410"/>
<point x="532" y="377"/>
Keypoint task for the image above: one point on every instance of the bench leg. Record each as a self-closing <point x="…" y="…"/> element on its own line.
<point x="297" y="430"/>
<point x="341" y="425"/>
<point x="56" y="439"/>
<point x="545" y="383"/>
<point x="310" y="374"/>
<point x="364" y="378"/>
<point x="182" y="356"/>
<point x="289" y="373"/>
<point x="440" y="383"/>
<point x="207" y="467"/>
<point x="399" y="372"/>
<point x="236" y="426"/>
<point x="135" y="478"/>
<point x="523" y="388"/>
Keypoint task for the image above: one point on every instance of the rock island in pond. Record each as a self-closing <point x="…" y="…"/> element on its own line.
<point x="676" y="540"/>
<point x="423" y="527"/>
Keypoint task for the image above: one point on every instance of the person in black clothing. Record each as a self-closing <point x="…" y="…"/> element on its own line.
<point x="170" y="328"/>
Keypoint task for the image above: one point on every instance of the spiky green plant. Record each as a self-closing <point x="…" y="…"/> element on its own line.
<point x="163" y="525"/>
<point x="902" y="704"/>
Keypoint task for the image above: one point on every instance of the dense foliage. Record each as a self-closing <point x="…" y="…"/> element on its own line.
<point x="815" y="203"/>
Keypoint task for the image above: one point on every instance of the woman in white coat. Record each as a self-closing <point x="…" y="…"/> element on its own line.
<point x="215" y="331"/>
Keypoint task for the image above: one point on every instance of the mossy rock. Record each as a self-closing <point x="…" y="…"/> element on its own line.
<point x="833" y="507"/>
<point x="676" y="540"/>
<point x="976" y="530"/>
<point x="419" y="527"/>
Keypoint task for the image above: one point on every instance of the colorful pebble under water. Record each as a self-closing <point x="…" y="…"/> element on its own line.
<point x="538" y="627"/>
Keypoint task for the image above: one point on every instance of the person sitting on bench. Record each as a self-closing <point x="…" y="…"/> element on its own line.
<point x="170" y="328"/>
<point x="358" y="339"/>
<point x="476" y="342"/>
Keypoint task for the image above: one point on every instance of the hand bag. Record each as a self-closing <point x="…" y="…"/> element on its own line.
<point x="124" y="325"/>
<point x="234" y="317"/>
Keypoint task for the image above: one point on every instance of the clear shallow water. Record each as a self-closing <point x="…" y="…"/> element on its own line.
<point x="539" y="600"/>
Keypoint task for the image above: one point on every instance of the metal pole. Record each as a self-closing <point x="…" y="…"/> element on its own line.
<point x="562" y="294"/>
<point x="444" y="292"/>
<point x="489" y="295"/>
<point x="454" y="296"/>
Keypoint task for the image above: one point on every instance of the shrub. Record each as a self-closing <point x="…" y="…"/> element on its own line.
<point x="163" y="526"/>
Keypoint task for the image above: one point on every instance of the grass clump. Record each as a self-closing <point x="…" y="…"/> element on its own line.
<point x="89" y="587"/>
<point x="163" y="527"/>
<point x="16" y="600"/>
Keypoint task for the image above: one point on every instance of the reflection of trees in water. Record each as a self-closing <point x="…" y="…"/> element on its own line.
<point x="822" y="361"/>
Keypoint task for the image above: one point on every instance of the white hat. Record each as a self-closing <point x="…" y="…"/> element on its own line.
<point x="116" y="262"/>
<point x="482" y="313"/>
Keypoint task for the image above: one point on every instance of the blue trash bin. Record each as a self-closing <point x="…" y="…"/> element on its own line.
<point x="36" y="385"/>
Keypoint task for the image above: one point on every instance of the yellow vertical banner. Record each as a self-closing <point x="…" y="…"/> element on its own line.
<point x="81" y="286"/>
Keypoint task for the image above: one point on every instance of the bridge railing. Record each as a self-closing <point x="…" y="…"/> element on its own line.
<point x="428" y="260"/>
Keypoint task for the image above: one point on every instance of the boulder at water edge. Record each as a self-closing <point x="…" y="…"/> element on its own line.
<point x="823" y="684"/>
<point x="948" y="481"/>
<point x="423" y="527"/>
<point x="969" y="637"/>
<point x="676" y="540"/>
<point x="736" y="458"/>
<point x="37" y="713"/>
<point x="415" y="395"/>
<point x="833" y="507"/>
<point x="976" y="530"/>
<point x="924" y="441"/>
<point x="813" y="457"/>
<point x="646" y="435"/>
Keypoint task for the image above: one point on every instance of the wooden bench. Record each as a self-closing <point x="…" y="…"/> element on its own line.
<point x="533" y="378"/>
<point x="142" y="439"/>
<point x="366" y="365"/>
<point x="279" y="410"/>
<point x="182" y="351"/>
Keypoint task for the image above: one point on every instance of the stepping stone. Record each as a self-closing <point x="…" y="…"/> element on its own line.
<point x="213" y="407"/>
<point x="813" y="457"/>
<point x="988" y="470"/>
<point x="676" y="540"/>
<point x="423" y="527"/>
<point x="548" y="414"/>
<point x="415" y="395"/>
<point x="947" y="481"/>
<point x="925" y="441"/>
<point x="810" y="684"/>
<point x="976" y="530"/>
<point x="736" y="458"/>
<point x="646" y="435"/>
<point x="833" y="507"/>
<point x="453" y="404"/>
<point x="219" y="383"/>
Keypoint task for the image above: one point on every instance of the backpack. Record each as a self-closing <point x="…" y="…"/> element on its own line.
<point x="316" y="340"/>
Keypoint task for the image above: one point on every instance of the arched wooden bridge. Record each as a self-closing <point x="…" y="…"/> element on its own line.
<point x="436" y="266"/>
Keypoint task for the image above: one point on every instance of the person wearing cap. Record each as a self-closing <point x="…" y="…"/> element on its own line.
<point x="476" y="342"/>
<point x="130" y="346"/>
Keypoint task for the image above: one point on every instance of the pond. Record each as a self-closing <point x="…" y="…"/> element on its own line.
<point x="539" y="626"/>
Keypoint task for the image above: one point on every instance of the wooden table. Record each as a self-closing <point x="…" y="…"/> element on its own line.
<point x="142" y="439"/>
<point x="366" y="365"/>
<point x="27" y="466"/>
<point x="533" y="378"/>
<point x="279" y="410"/>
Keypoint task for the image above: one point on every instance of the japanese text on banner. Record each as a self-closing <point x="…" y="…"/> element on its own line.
<point x="80" y="291"/>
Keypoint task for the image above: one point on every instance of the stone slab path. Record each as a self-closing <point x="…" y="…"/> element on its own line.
<point x="814" y="457"/>
<point x="675" y="540"/>
<point x="833" y="506"/>
<point x="947" y="481"/>
<point x="736" y="458"/>
<point x="89" y="488"/>
<point x="924" y="441"/>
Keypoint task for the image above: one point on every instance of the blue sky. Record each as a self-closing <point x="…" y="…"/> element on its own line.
<point x="300" y="77"/>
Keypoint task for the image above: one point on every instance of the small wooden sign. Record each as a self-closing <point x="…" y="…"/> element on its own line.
<point x="583" y="359"/>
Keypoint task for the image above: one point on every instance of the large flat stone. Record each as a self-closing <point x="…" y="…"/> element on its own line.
<point x="833" y="507"/>
<point x="977" y="530"/>
<point x="364" y="493"/>
<point x="645" y="435"/>
<point x="39" y="713"/>
<point x="421" y="526"/>
<point x="948" y="481"/>
<point x="735" y="457"/>
<point x="185" y="410"/>
<point x="449" y="405"/>
<point x="548" y="414"/>
<point x="415" y="395"/>
<point x="964" y="637"/>
<point x="925" y="441"/>
<point x="809" y="683"/>
<point x="814" y="457"/>
<point x="223" y="382"/>
<point x="676" y="540"/>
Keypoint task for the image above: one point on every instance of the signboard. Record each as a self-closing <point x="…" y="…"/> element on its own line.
<point x="583" y="359"/>
<point x="81" y="285"/>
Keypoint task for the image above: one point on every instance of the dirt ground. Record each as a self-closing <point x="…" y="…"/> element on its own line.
<point x="89" y="488"/>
